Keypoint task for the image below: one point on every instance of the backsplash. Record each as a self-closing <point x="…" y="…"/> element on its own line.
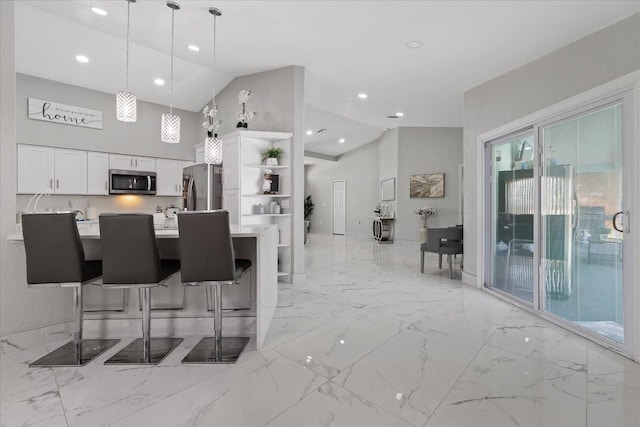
<point x="103" y="204"/>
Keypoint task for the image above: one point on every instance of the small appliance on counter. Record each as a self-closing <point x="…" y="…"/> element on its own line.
<point x="195" y="189"/>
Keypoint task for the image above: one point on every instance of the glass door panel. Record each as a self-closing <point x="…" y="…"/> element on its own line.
<point x="581" y="191"/>
<point x="512" y="216"/>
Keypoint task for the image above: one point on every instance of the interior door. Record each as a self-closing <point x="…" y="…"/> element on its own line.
<point x="338" y="218"/>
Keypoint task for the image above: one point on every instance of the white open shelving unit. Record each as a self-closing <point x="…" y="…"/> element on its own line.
<point x="242" y="179"/>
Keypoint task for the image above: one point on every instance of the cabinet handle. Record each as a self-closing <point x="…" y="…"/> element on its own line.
<point x="105" y="186"/>
<point x="131" y="162"/>
<point x="136" y="162"/>
<point x="51" y="183"/>
<point x="57" y="183"/>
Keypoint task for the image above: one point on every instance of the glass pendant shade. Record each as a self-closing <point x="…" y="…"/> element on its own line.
<point x="170" y="129"/>
<point x="213" y="150"/>
<point x="126" y="109"/>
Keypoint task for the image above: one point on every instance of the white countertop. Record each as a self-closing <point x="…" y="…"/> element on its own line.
<point x="91" y="230"/>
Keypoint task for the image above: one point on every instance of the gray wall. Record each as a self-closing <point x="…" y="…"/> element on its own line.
<point x="427" y="150"/>
<point x="359" y="169"/>
<point x="140" y="138"/>
<point x="589" y="62"/>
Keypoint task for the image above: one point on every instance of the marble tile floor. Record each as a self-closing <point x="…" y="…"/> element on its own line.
<point x="366" y="341"/>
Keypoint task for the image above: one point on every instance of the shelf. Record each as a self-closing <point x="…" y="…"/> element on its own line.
<point x="266" y="195"/>
<point x="267" y="167"/>
<point x="266" y="214"/>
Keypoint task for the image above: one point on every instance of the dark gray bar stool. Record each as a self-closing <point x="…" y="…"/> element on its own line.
<point x="55" y="258"/>
<point x="207" y="258"/>
<point x="131" y="259"/>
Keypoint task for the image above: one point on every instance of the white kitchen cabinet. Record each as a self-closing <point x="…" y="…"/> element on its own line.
<point x="97" y="173"/>
<point x="199" y="153"/>
<point x="59" y="170"/>
<point x="169" y="176"/>
<point x="242" y="178"/>
<point x="70" y="171"/>
<point x="132" y="163"/>
<point x="36" y="170"/>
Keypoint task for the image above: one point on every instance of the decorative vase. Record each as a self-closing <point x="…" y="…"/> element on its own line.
<point x="271" y="161"/>
<point x="424" y="230"/>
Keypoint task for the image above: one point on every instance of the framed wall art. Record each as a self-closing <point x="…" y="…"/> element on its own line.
<point x="426" y="185"/>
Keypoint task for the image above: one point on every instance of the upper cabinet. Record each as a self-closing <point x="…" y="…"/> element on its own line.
<point x="57" y="170"/>
<point x="169" y="176"/>
<point x="97" y="173"/>
<point x="134" y="163"/>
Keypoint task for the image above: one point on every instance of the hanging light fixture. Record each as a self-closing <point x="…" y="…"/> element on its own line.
<point x="126" y="109"/>
<point x="170" y="128"/>
<point x="213" y="144"/>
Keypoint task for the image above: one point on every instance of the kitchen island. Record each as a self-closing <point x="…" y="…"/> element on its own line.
<point x="181" y="311"/>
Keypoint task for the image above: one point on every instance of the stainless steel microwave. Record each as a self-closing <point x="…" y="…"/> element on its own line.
<point x="132" y="182"/>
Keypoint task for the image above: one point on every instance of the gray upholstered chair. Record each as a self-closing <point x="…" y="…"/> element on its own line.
<point x="443" y="241"/>
<point x="207" y="258"/>
<point x="55" y="258"/>
<point x="131" y="259"/>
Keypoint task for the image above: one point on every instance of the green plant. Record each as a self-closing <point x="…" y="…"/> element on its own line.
<point x="272" y="153"/>
<point x="308" y="207"/>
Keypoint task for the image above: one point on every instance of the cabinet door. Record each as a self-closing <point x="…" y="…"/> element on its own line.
<point x="147" y="164"/>
<point x="120" y="161"/>
<point x="199" y="153"/>
<point x="231" y="163"/>
<point x="231" y="203"/>
<point x="35" y="169"/>
<point x="166" y="182"/>
<point x="70" y="171"/>
<point x="97" y="173"/>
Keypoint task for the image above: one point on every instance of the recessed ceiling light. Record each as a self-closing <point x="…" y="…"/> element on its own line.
<point x="341" y="141"/>
<point x="159" y="82"/>
<point x="82" y="58"/>
<point x="99" y="11"/>
<point x="414" y="44"/>
<point x="309" y="132"/>
<point x="193" y="48"/>
<point x="400" y="114"/>
<point x="362" y="95"/>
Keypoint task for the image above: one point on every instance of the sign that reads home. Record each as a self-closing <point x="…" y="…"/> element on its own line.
<point x="66" y="114"/>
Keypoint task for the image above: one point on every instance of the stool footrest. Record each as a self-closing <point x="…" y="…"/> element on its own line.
<point x="66" y="355"/>
<point x="133" y="354"/>
<point x="205" y="350"/>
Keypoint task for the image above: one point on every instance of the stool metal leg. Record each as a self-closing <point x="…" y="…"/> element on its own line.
<point x="78" y="352"/>
<point x="145" y="350"/>
<point x="450" y="262"/>
<point x="217" y="349"/>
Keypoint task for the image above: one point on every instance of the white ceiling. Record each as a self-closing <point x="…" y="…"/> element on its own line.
<point x="346" y="47"/>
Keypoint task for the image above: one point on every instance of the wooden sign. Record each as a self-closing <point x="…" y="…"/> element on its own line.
<point x="54" y="112"/>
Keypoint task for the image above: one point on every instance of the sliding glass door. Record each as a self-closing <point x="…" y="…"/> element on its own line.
<point x="582" y="220"/>
<point x="558" y="208"/>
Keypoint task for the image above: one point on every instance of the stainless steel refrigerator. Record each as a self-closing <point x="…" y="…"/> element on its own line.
<point x="195" y="188"/>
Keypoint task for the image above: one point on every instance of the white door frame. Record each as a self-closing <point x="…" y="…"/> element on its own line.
<point x="344" y="203"/>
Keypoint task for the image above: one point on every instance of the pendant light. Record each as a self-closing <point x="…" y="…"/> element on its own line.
<point x="126" y="109"/>
<point x="170" y="128"/>
<point x="213" y="144"/>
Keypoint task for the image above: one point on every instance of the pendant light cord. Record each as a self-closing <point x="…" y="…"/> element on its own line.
<point x="173" y="11"/>
<point x="127" y="71"/>
<point x="213" y="99"/>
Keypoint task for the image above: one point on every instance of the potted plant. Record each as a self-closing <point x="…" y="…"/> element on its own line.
<point x="271" y="156"/>
<point x="308" y="210"/>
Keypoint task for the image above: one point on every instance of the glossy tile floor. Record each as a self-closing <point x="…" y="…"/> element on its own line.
<point x="367" y="341"/>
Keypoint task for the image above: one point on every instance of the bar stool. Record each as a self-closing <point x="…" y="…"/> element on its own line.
<point x="55" y="258"/>
<point x="131" y="259"/>
<point x="207" y="258"/>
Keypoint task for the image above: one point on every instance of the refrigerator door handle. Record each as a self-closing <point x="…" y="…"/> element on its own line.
<point x="191" y="197"/>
